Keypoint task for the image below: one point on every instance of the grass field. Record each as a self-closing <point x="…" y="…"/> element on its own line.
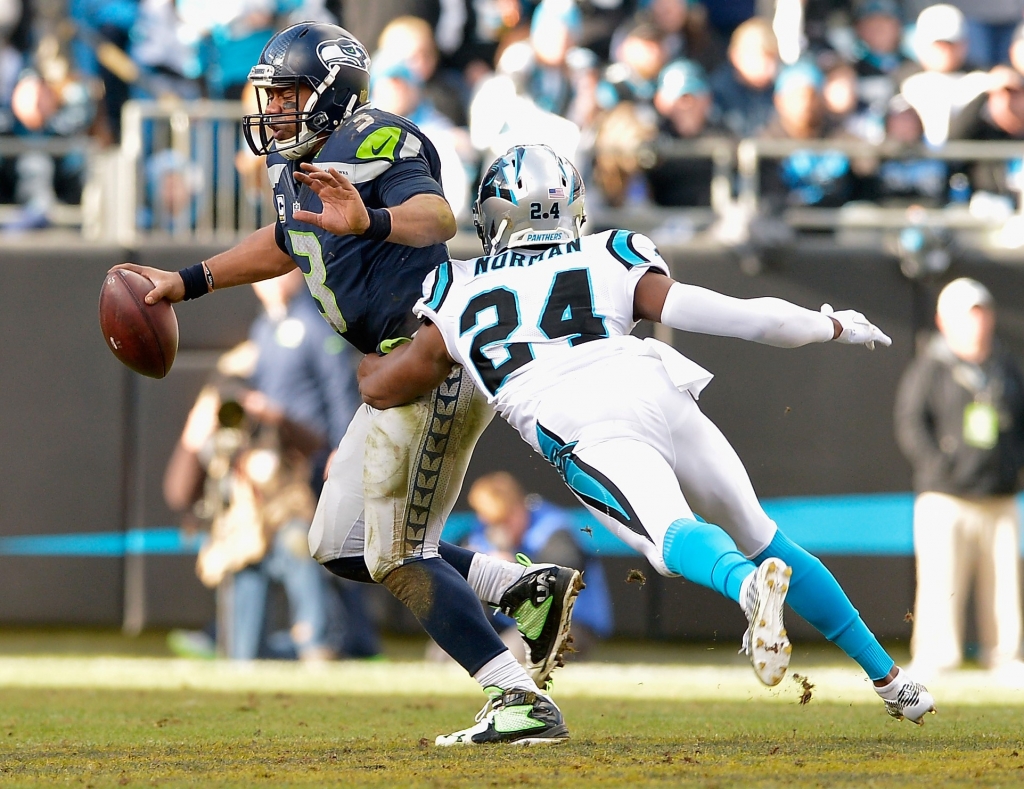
<point x="112" y="720"/>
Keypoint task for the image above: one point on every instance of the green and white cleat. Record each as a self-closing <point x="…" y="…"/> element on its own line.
<point x="519" y="717"/>
<point x="765" y="641"/>
<point x="541" y="602"/>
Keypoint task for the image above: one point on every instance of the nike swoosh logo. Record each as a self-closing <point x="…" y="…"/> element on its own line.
<point x="383" y="145"/>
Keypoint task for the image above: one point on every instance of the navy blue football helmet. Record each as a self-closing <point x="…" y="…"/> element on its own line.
<point x="328" y="60"/>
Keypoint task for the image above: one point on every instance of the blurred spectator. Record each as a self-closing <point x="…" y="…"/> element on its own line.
<point x="600" y="18"/>
<point x="366" y="19"/>
<point x="944" y="88"/>
<point x="555" y="73"/>
<point x="877" y="48"/>
<point x="174" y="184"/>
<point x="54" y="102"/>
<point x="990" y="28"/>
<point x="684" y="31"/>
<point x="167" y="63"/>
<point x="244" y="460"/>
<point x="807" y="177"/>
<point x="509" y="522"/>
<point x="960" y="422"/>
<point x="411" y="39"/>
<point x="230" y="35"/>
<point x="1017" y="49"/>
<point x="684" y="106"/>
<point x="395" y="87"/>
<point x="469" y="31"/>
<point x="999" y="115"/>
<point x="103" y="28"/>
<point x="619" y="136"/>
<point x="840" y="95"/>
<point x="670" y="17"/>
<point x="743" y="87"/>
<point x="633" y="75"/>
<point x="873" y="47"/>
<point x="543" y="91"/>
<point x="908" y="181"/>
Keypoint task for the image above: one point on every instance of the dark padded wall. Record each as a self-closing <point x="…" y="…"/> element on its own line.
<point x="163" y="590"/>
<point x="85" y="442"/>
<point x="62" y="411"/>
<point x="778" y="406"/>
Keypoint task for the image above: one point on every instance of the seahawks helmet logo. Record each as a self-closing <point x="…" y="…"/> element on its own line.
<point x="344" y="52"/>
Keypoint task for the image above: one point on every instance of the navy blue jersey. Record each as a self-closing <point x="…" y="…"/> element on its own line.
<point x="364" y="289"/>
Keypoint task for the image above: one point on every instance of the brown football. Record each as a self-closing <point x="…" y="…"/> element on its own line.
<point x="143" y="336"/>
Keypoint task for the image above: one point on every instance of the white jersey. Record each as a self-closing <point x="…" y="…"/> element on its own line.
<point x="521" y="321"/>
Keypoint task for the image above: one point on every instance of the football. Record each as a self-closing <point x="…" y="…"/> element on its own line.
<point x="144" y="337"/>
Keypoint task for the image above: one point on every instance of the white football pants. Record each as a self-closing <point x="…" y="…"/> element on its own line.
<point x="640" y="455"/>
<point x="396" y="476"/>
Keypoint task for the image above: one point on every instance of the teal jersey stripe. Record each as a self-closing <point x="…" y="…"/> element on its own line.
<point x="619" y="245"/>
<point x="442" y="284"/>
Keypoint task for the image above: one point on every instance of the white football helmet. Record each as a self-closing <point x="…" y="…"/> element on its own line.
<point x="531" y="196"/>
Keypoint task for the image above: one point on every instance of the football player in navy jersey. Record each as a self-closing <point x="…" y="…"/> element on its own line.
<point x="395" y="477"/>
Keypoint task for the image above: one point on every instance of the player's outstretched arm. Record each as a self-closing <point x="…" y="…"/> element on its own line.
<point x="419" y="221"/>
<point x="255" y="258"/>
<point x="766" y="320"/>
<point x="409" y="371"/>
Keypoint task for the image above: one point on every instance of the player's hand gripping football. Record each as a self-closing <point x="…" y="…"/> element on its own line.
<point x="344" y="213"/>
<point x="166" y="284"/>
<point x="856" y="329"/>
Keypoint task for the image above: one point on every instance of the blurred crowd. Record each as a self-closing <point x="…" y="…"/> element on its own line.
<point x="612" y="84"/>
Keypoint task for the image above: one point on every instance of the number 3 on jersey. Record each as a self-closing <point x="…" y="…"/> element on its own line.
<point x="308" y="246"/>
<point x="568" y="313"/>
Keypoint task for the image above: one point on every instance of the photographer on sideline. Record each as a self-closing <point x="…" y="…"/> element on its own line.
<point x="244" y="465"/>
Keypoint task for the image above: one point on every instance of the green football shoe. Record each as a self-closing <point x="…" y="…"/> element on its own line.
<point x="519" y="717"/>
<point x="541" y="603"/>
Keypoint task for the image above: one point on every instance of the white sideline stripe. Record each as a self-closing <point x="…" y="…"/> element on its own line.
<point x="595" y="680"/>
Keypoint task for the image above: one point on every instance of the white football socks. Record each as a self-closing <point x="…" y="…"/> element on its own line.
<point x="491" y="577"/>
<point x="890" y="692"/>
<point x="505" y="672"/>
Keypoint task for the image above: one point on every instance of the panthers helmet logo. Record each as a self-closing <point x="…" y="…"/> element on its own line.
<point x="345" y="52"/>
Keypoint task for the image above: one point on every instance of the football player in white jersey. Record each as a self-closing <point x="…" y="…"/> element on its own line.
<point x="542" y="323"/>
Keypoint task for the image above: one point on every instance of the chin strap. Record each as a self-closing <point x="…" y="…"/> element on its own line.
<point x="328" y="81"/>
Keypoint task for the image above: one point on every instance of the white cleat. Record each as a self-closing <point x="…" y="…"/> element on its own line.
<point x="765" y="641"/>
<point x="906" y="698"/>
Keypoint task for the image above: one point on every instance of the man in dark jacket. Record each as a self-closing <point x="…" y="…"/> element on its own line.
<point x="960" y="422"/>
